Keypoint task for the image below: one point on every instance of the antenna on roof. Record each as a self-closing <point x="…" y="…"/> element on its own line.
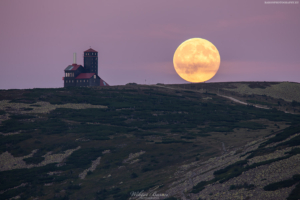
<point x="74" y="58"/>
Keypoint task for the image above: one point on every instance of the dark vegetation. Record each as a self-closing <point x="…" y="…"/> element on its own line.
<point x="171" y="126"/>
<point x="82" y="157"/>
<point x="36" y="158"/>
<point x="35" y="177"/>
<point x="261" y="85"/>
<point x="282" y="184"/>
<point x="239" y="167"/>
<point x="295" y="103"/>
<point x="282" y="135"/>
<point x="260" y="102"/>
<point x="245" y="185"/>
<point x="2" y="112"/>
<point x="295" y="194"/>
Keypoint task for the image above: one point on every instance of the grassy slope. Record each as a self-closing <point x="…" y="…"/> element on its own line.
<point x="284" y="90"/>
<point x="174" y="127"/>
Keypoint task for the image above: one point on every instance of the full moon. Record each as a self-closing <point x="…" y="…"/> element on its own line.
<point x="196" y="60"/>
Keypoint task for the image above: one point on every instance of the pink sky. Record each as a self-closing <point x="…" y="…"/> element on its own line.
<point x="136" y="39"/>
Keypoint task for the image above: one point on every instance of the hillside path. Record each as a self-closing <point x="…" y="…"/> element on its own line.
<point x="244" y="103"/>
<point x="231" y="98"/>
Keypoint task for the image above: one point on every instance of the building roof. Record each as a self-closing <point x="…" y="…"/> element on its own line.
<point x="90" y="50"/>
<point x="72" y="67"/>
<point x="84" y="75"/>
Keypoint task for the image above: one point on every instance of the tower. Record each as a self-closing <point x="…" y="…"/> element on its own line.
<point x="90" y="58"/>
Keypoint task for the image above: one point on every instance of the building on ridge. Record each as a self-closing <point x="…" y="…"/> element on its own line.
<point x="87" y="75"/>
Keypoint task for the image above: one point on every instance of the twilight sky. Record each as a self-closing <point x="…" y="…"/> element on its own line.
<point x="136" y="39"/>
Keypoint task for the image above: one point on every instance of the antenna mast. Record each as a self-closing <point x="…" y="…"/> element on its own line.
<point x="74" y="58"/>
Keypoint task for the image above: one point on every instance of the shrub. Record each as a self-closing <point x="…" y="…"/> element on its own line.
<point x="33" y="160"/>
<point x="295" y="194"/>
<point x="147" y="168"/>
<point x="282" y="135"/>
<point x="74" y="187"/>
<point x="131" y="84"/>
<point x="22" y="116"/>
<point x="245" y="185"/>
<point x="134" y="175"/>
<point x="203" y="134"/>
<point x="199" y="187"/>
<point x="283" y="184"/>
<point x="84" y="157"/>
<point x="230" y="167"/>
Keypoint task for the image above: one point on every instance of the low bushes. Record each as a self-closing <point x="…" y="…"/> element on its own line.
<point x="282" y="135"/>
<point x="13" y="178"/>
<point x="295" y="194"/>
<point x="282" y="184"/>
<point x="34" y="160"/>
<point x="200" y="186"/>
<point x="84" y="157"/>
<point x="245" y="185"/>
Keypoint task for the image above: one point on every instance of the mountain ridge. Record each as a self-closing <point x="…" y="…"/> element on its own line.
<point x="197" y="141"/>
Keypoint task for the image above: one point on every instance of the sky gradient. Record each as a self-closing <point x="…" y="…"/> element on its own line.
<point x="136" y="39"/>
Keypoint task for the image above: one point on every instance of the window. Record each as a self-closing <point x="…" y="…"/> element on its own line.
<point x="84" y="81"/>
<point x="80" y="81"/>
<point x="77" y="81"/>
<point x="69" y="74"/>
<point x="95" y="76"/>
<point x="72" y="81"/>
<point x="87" y="80"/>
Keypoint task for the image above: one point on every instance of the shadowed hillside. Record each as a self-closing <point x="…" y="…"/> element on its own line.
<point x="191" y="141"/>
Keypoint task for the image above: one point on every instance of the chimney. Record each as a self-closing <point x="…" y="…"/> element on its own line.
<point x="74" y="58"/>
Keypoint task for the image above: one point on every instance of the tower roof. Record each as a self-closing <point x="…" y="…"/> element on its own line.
<point x="90" y="50"/>
<point x="72" y="67"/>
